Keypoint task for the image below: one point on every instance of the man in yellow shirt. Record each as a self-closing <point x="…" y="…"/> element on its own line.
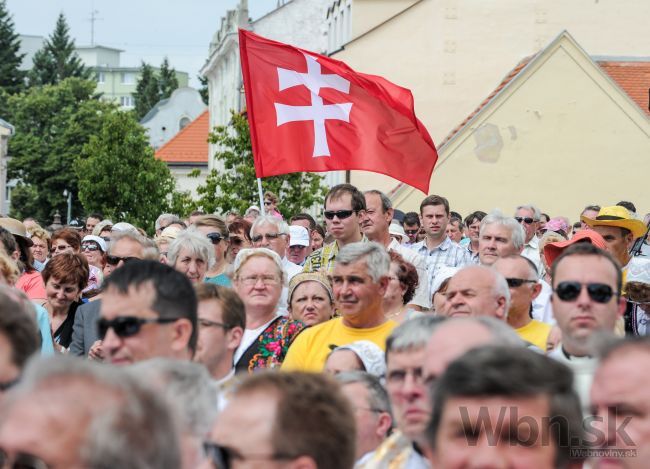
<point x="359" y="281"/>
<point x="521" y="275"/>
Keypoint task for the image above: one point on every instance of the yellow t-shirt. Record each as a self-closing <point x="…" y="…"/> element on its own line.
<point x="310" y="349"/>
<point x="536" y="332"/>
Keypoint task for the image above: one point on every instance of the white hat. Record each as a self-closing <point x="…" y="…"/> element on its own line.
<point x="442" y="274"/>
<point x="100" y="241"/>
<point x="123" y="226"/>
<point x="396" y="229"/>
<point x="638" y="271"/>
<point x="370" y="354"/>
<point x="298" y="236"/>
<point x="251" y="209"/>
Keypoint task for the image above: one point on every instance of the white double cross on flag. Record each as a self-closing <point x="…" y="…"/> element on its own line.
<point x="317" y="112"/>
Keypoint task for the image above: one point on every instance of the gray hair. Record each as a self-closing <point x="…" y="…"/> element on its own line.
<point x="378" y="399"/>
<point x="386" y="203"/>
<point x="166" y="217"/>
<point x="375" y="255"/>
<point x="129" y="425"/>
<point x="188" y="389"/>
<point x="517" y="233"/>
<point x="245" y="255"/>
<point x="196" y="243"/>
<point x="412" y="334"/>
<point x="281" y="225"/>
<point x="502" y="333"/>
<point x="149" y="248"/>
<point x="537" y="213"/>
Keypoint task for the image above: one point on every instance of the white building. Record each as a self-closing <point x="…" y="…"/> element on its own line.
<point x="171" y="115"/>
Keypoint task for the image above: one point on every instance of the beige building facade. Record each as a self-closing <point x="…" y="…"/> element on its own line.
<point x="559" y="133"/>
<point x="453" y="53"/>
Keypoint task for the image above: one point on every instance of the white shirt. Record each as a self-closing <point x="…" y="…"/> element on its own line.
<point x="291" y="270"/>
<point x="542" y="307"/>
<point x="531" y="251"/>
<point x="422" y="295"/>
<point x="583" y="369"/>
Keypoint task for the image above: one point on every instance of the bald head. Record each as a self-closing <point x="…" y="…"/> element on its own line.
<point x="478" y="291"/>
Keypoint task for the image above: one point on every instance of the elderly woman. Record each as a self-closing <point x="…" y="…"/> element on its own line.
<point x="401" y="288"/>
<point x="215" y="229"/>
<point x="191" y="254"/>
<point x="361" y="355"/>
<point x="258" y="279"/>
<point x="310" y="298"/>
<point x="65" y="276"/>
<point x="41" y="247"/>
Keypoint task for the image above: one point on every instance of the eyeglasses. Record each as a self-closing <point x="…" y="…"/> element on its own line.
<point x="269" y="237"/>
<point x="114" y="260"/>
<point x="236" y="241"/>
<point x="599" y="292"/>
<point x="412" y="232"/>
<point x="253" y="279"/>
<point x="517" y="282"/>
<point x="21" y="461"/>
<point x="526" y="220"/>
<point x="208" y="323"/>
<point x="215" y="237"/>
<point x="267" y="202"/>
<point x="222" y="456"/>
<point x="60" y="248"/>
<point x="127" y="326"/>
<point x="89" y="247"/>
<point x="341" y="214"/>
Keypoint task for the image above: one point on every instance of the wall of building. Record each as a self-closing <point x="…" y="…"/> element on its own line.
<point x="186" y="183"/>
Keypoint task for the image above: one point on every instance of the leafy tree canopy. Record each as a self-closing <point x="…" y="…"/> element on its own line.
<point x="57" y="60"/>
<point x="235" y="186"/>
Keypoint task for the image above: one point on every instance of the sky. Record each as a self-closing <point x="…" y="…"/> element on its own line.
<point x="146" y="30"/>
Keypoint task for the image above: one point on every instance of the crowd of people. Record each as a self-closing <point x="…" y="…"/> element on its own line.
<point x="378" y="339"/>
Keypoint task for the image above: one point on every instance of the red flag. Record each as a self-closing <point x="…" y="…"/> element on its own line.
<point x="309" y="112"/>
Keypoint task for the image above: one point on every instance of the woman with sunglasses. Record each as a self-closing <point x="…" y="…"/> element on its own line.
<point x="191" y="254"/>
<point x="65" y="276"/>
<point x="239" y="238"/>
<point x="258" y="279"/>
<point x="214" y="228"/>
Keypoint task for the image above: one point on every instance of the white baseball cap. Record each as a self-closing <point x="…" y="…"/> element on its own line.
<point x="298" y="236"/>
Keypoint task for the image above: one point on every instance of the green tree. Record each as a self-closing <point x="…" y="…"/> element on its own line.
<point x="119" y="176"/>
<point x="236" y="187"/>
<point x="204" y="89"/>
<point x="12" y="79"/>
<point x="52" y="123"/>
<point x="147" y="91"/>
<point x="167" y="80"/>
<point x="57" y="60"/>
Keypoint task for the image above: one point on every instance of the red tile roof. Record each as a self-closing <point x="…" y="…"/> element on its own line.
<point x="632" y="77"/>
<point x="190" y="145"/>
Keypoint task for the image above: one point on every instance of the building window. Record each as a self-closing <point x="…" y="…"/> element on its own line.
<point x="183" y="122"/>
<point x="127" y="101"/>
<point x="101" y="78"/>
<point x="128" y="78"/>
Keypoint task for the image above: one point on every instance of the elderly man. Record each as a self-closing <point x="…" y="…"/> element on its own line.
<point x="586" y="300"/>
<point x="436" y="247"/>
<point x="409" y="398"/>
<point x="71" y="413"/>
<point x="372" y="411"/>
<point x="528" y="217"/>
<point x="222" y="322"/>
<point x="124" y="247"/>
<point x="359" y="281"/>
<point x="299" y="245"/>
<point x="148" y="310"/>
<point x="505" y="407"/>
<point x="376" y="224"/>
<point x="619" y="404"/>
<point x="590" y="211"/>
<point x="299" y="420"/>
<point x="521" y="275"/>
<point x="477" y="290"/>
<point x="345" y="208"/>
<point x="499" y="236"/>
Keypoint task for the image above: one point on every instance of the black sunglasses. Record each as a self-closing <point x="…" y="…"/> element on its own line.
<point x="599" y="292"/>
<point x="526" y="220"/>
<point x="517" y="282"/>
<point x="341" y="214"/>
<point x="127" y="326"/>
<point x="411" y="232"/>
<point x="215" y="237"/>
<point x="21" y="461"/>
<point x="236" y="241"/>
<point x="114" y="260"/>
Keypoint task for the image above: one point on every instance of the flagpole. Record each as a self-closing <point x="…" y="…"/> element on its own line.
<point x="259" y="189"/>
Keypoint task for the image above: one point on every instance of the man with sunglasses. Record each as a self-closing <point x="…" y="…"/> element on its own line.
<point x="521" y="275"/>
<point x="124" y="247"/>
<point x="528" y="217"/>
<point x="345" y="208"/>
<point x="586" y="300"/>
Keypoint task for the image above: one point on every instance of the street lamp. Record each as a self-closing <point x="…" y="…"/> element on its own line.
<point x="68" y="194"/>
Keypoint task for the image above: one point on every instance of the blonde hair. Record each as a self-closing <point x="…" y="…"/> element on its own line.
<point x="9" y="269"/>
<point x="245" y="255"/>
